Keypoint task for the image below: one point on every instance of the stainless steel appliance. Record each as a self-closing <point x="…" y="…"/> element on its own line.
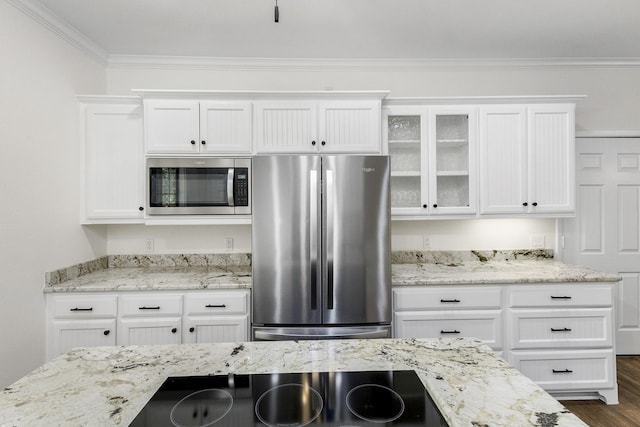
<point x="321" y="247"/>
<point x="198" y="186"/>
<point x="369" y="398"/>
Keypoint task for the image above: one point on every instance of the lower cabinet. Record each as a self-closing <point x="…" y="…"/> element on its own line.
<point x="87" y="319"/>
<point x="559" y="335"/>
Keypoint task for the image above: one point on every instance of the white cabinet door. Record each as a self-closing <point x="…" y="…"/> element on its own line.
<point x="67" y="334"/>
<point x="503" y="159"/>
<point x="149" y="331"/>
<point x="113" y="161"/>
<point x="225" y="127"/>
<point x="286" y="127"/>
<point x="205" y="329"/>
<point x="172" y="126"/>
<point x="349" y="127"/>
<point x="551" y="158"/>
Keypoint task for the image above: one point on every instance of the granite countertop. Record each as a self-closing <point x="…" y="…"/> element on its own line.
<point x="233" y="271"/>
<point x="108" y="386"/>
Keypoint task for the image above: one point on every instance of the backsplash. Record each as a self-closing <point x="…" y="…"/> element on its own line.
<point x="239" y="259"/>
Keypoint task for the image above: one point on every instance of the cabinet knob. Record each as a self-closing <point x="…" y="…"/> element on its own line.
<point x="174" y="330"/>
<point x="435" y="205"/>
<point x="107" y="332"/>
<point x="313" y="143"/>
<point x="525" y="204"/>
<point x="191" y="329"/>
<point x="193" y="142"/>
<point x="535" y="203"/>
<point x="323" y="143"/>
<point x="424" y="206"/>
<point x="203" y="142"/>
<point x="141" y="208"/>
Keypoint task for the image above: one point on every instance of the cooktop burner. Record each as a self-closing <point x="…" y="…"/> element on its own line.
<point x="380" y="398"/>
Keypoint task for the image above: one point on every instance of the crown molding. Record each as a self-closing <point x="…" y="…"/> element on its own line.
<point x="355" y="64"/>
<point x="50" y="21"/>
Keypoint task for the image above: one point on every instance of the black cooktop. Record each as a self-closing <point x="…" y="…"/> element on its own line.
<point x="371" y="398"/>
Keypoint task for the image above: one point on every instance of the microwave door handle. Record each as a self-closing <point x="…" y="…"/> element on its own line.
<point x="230" y="196"/>
<point x="313" y="236"/>
<point x="330" y="236"/>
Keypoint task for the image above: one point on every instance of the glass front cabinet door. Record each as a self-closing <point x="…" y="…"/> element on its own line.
<point x="432" y="152"/>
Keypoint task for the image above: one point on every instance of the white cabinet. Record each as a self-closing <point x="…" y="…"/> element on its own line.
<point x="221" y="316"/>
<point x="113" y="184"/>
<point x="527" y="159"/>
<point x="285" y="126"/>
<point x="87" y="319"/>
<point x="455" y="311"/>
<point x="177" y="127"/>
<point x="80" y="321"/>
<point x="562" y="337"/>
<point x="433" y="159"/>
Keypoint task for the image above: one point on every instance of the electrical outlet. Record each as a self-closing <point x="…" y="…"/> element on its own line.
<point x="426" y="242"/>
<point x="228" y="243"/>
<point x="148" y="245"/>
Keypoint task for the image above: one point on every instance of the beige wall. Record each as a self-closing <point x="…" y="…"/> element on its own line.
<point x="40" y="76"/>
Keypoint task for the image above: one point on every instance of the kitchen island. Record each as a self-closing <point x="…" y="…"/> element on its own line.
<point x="108" y="386"/>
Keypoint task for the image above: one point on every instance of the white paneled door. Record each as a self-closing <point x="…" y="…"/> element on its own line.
<point x="605" y="234"/>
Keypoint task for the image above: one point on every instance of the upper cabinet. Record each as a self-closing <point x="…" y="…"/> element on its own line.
<point x="113" y="185"/>
<point x="339" y="126"/>
<point x="527" y="159"/>
<point x="174" y="126"/>
<point x="433" y="163"/>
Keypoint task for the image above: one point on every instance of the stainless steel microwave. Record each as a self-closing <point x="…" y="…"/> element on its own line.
<point x="198" y="186"/>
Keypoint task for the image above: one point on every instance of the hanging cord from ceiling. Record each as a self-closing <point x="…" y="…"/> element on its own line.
<point x="276" y="13"/>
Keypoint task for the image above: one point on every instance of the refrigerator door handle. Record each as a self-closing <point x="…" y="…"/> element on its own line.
<point x="313" y="238"/>
<point x="330" y="236"/>
<point x="230" y="196"/>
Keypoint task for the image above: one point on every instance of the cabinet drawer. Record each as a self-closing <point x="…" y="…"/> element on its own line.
<point x="485" y="325"/>
<point x="215" y="302"/>
<point x="567" y="370"/>
<point x="82" y="306"/>
<point x="561" y="296"/>
<point x="150" y="304"/>
<point x="561" y="328"/>
<point x="447" y="298"/>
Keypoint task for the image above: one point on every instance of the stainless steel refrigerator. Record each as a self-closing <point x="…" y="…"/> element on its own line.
<point x="321" y="247"/>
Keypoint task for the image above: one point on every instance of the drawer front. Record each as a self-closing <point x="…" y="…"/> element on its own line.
<point x="150" y="304"/>
<point x="217" y="302"/>
<point x="561" y="328"/>
<point x="485" y="325"/>
<point x="573" y="370"/>
<point x="584" y="295"/>
<point x="83" y="306"/>
<point x="447" y="298"/>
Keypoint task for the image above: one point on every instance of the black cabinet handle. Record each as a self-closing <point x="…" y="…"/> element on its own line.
<point x="191" y="329"/>
<point x="107" y="332"/>
<point x="450" y="332"/>
<point x="215" y="306"/>
<point x="203" y="142"/>
<point x="450" y="300"/>
<point x="174" y="330"/>
<point x="424" y="206"/>
<point x="560" y="297"/>
<point x="525" y="204"/>
<point x="560" y="329"/>
<point x="323" y="143"/>
<point x="562" y="371"/>
<point x="144" y="307"/>
<point x="193" y="142"/>
<point x="435" y="205"/>
<point x="535" y="203"/>
<point x="81" y="309"/>
<point x="141" y="208"/>
<point x="313" y="143"/>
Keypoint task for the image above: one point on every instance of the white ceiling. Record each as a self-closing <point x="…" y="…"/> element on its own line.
<point x="361" y="29"/>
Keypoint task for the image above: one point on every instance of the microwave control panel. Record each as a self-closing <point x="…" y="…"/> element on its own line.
<point x="241" y="184"/>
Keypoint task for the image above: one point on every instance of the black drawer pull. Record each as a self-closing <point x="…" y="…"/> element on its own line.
<point x="450" y="300"/>
<point x="174" y="330"/>
<point x="563" y="297"/>
<point x="560" y="329"/>
<point x="107" y="332"/>
<point x="81" y="309"/>
<point x="563" y="371"/>
<point x="191" y="329"/>
<point x="215" y="306"/>
<point x="450" y="332"/>
<point x="144" y="307"/>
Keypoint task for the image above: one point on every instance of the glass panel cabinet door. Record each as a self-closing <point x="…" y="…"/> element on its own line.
<point x="406" y="132"/>
<point x="452" y="161"/>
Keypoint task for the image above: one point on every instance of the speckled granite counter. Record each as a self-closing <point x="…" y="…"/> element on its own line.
<point x="108" y="386"/>
<point x="229" y="271"/>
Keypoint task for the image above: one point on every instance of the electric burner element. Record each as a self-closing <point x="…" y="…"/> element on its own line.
<point x="371" y="398"/>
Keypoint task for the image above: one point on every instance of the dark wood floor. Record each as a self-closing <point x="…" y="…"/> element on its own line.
<point x="627" y="414"/>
